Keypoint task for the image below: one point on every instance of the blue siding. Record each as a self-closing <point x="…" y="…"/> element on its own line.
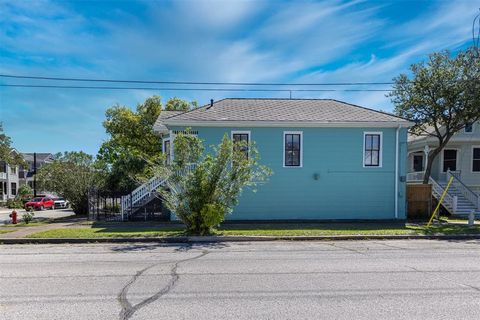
<point x="344" y="189"/>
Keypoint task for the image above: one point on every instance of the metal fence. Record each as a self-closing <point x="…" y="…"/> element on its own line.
<point x="104" y="205"/>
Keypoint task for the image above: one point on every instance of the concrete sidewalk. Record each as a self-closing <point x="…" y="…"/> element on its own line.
<point x="46" y="214"/>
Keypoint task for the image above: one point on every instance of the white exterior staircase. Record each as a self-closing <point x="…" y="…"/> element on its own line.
<point x="459" y="199"/>
<point x="140" y="196"/>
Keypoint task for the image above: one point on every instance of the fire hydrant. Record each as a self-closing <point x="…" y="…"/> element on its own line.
<point x="13" y="215"/>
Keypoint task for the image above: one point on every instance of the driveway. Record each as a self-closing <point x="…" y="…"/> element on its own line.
<point x="415" y="279"/>
<point x="50" y="214"/>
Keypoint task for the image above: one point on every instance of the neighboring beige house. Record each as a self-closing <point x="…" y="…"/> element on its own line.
<point x="9" y="180"/>
<point x="460" y="158"/>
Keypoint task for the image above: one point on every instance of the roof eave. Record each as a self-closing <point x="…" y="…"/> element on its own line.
<point x="308" y="124"/>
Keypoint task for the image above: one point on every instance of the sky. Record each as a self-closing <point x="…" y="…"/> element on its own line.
<point x="224" y="41"/>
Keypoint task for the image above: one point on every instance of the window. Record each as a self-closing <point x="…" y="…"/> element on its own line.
<point x="292" y="149"/>
<point x="372" y="151"/>
<point x="13" y="188"/>
<point x="417" y="163"/>
<point x="13" y="170"/>
<point x="167" y="150"/>
<point x="469" y="128"/>
<point x="449" y="160"/>
<point x="476" y="159"/>
<point x="241" y="140"/>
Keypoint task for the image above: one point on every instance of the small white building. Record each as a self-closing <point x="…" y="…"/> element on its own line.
<point x="9" y="180"/>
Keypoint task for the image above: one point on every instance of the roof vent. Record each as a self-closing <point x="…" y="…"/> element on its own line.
<point x="211" y="104"/>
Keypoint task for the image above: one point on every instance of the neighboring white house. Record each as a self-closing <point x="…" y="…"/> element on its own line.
<point x="26" y="174"/>
<point x="9" y="180"/>
<point x="460" y="158"/>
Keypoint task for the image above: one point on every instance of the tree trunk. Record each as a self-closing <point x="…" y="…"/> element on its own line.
<point x="431" y="157"/>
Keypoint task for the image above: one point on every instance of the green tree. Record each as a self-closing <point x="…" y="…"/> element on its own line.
<point x="201" y="195"/>
<point x="25" y="193"/>
<point x="6" y="154"/>
<point x="71" y="175"/>
<point x="442" y="96"/>
<point x="133" y="147"/>
<point x="177" y="104"/>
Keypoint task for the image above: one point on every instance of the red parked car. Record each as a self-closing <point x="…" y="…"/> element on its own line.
<point x="40" y="203"/>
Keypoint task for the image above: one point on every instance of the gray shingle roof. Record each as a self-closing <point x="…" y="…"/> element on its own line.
<point x="40" y="156"/>
<point x="164" y="114"/>
<point x="283" y="110"/>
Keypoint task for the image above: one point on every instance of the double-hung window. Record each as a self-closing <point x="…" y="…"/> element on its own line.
<point x="449" y="160"/>
<point x="469" y="128"/>
<point x="292" y="148"/>
<point x="476" y="159"/>
<point x="372" y="149"/>
<point x="241" y="141"/>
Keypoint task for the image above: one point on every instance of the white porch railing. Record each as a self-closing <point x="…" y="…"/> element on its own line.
<point x="450" y="202"/>
<point x="415" y="176"/>
<point x="464" y="190"/>
<point x="142" y="192"/>
<point x="3" y="175"/>
<point x="145" y="190"/>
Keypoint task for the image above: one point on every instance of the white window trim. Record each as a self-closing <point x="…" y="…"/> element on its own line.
<point x="380" y="162"/>
<point x="442" y="158"/>
<point x="471" y="161"/>
<point x="301" y="148"/>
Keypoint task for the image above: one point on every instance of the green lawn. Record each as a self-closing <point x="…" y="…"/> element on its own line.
<point x="6" y="231"/>
<point x="119" y="230"/>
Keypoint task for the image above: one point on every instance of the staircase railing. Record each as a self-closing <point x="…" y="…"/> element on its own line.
<point x="140" y="193"/>
<point x="450" y="202"/>
<point x="145" y="190"/>
<point x="464" y="190"/>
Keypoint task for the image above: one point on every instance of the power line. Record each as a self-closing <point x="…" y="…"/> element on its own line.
<point x="187" y="89"/>
<point x="195" y="82"/>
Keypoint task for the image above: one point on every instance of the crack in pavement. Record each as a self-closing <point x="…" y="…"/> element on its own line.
<point x="128" y="309"/>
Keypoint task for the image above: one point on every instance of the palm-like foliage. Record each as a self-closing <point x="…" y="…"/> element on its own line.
<point x="202" y="189"/>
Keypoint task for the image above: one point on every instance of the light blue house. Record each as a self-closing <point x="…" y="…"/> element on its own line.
<point x="331" y="160"/>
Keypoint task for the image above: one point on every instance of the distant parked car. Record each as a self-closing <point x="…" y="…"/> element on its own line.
<point x="61" y="203"/>
<point x="40" y="203"/>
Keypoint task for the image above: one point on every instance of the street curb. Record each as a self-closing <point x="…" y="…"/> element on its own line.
<point x="216" y="239"/>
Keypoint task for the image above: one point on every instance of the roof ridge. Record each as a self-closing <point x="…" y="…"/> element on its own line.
<point x="194" y="109"/>
<point x="370" y="109"/>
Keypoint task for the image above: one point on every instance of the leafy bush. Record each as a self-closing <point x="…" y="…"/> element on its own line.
<point x="14" y="204"/>
<point x="28" y="216"/>
<point x="202" y="194"/>
<point x="70" y="175"/>
<point x="25" y="193"/>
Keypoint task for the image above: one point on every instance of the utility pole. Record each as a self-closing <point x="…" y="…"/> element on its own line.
<point x="34" y="174"/>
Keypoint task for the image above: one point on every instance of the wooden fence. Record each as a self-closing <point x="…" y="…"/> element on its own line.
<point x="419" y="198"/>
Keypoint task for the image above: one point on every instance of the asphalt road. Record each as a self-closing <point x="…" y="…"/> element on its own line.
<point x="58" y="213"/>
<point x="415" y="279"/>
